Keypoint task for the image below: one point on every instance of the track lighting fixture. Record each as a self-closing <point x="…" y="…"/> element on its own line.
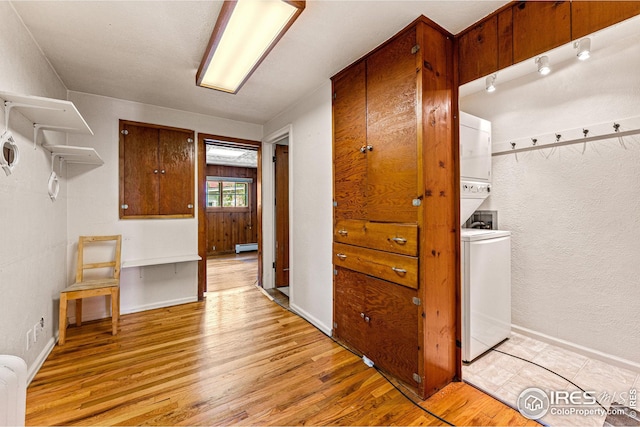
<point x="490" y="83"/>
<point x="543" y="65"/>
<point x="584" y="48"/>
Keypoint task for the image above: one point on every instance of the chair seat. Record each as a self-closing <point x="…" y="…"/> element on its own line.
<point x="88" y="285"/>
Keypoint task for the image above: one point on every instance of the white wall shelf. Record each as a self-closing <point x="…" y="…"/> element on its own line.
<point x="160" y="261"/>
<point x="45" y="113"/>
<point x="73" y="154"/>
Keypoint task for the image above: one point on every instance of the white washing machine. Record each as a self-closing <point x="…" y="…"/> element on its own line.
<point x="486" y="290"/>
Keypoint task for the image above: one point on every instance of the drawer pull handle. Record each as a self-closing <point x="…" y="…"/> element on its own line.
<point x="365" y="317"/>
<point x="343" y="232"/>
<point x="341" y="256"/>
<point x="399" y="270"/>
<point x="399" y="240"/>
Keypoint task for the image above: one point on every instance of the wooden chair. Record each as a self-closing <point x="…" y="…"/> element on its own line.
<point x="92" y="287"/>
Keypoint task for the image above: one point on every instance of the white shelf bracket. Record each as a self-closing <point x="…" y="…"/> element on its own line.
<point x="9" y="105"/>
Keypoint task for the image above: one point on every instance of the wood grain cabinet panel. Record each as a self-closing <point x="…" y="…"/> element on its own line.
<point x="590" y="16"/>
<point x="350" y="136"/>
<point x="400" y="269"/>
<point x="156" y="171"/>
<point x="539" y="26"/>
<point x="505" y="38"/>
<point x="378" y="319"/>
<point x="389" y="237"/>
<point x="478" y="50"/>
<point x="392" y="167"/>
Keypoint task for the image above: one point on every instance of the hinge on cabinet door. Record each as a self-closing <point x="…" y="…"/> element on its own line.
<point x="416" y="202"/>
<point x="335" y="204"/>
<point x="458" y="344"/>
<point x="274" y="264"/>
<point x="124" y="206"/>
<point x="335" y="272"/>
<point x="189" y="139"/>
<point x="189" y="206"/>
<point x="417" y="378"/>
<point x="274" y="159"/>
<point x="416" y="301"/>
<point x="335" y="95"/>
<point x="415" y="49"/>
<point x="335" y="325"/>
<point x="124" y="132"/>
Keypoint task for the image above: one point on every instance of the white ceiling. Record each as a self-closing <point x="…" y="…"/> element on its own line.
<point x="149" y="51"/>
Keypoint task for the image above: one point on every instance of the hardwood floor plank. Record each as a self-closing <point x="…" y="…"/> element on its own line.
<point x="236" y="358"/>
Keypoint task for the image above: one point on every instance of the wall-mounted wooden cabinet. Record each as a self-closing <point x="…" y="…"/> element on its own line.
<point x="590" y="16"/>
<point x="395" y="207"/>
<point x="156" y="171"/>
<point x="539" y="26"/>
<point x="524" y="29"/>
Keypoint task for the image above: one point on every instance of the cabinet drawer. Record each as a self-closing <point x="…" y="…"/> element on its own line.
<point x="399" y="269"/>
<point x="388" y="237"/>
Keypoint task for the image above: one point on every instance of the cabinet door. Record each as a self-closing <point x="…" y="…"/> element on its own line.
<point x="478" y="49"/>
<point x="350" y="135"/>
<point x="348" y="309"/>
<point x="539" y="26"/>
<point x="175" y="160"/>
<point x="392" y="330"/>
<point x="590" y="16"/>
<point x="392" y="168"/>
<point x="139" y="177"/>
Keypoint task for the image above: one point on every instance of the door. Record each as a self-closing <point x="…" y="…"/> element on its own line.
<point x="282" y="215"/>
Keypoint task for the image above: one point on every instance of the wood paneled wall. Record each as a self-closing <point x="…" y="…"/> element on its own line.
<point x="227" y="227"/>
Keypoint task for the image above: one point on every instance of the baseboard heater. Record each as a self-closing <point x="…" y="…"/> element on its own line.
<point x="13" y="390"/>
<point x="246" y="247"/>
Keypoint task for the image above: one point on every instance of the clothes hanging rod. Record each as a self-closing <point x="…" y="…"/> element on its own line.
<point x="569" y="142"/>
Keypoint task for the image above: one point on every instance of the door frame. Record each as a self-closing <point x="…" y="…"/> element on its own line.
<point x="268" y="208"/>
<point x="202" y="202"/>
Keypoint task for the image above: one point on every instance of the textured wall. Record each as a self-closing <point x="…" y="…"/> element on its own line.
<point x="34" y="230"/>
<point x="574" y="215"/>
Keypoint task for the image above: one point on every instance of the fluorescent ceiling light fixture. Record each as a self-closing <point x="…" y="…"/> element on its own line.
<point x="543" y="65"/>
<point x="224" y="152"/>
<point x="245" y="32"/>
<point x="490" y="83"/>
<point x="584" y="48"/>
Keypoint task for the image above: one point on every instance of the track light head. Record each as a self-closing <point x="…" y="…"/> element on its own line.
<point x="584" y="48"/>
<point x="543" y="65"/>
<point x="490" y="83"/>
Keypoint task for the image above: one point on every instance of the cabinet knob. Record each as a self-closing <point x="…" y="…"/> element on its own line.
<point x="399" y="240"/>
<point x="162" y="171"/>
<point x="155" y="171"/>
<point x="365" y="317"/>
<point x="341" y="256"/>
<point x="370" y="147"/>
<point x="190" y="206"/>
<point x="343" y="232"/>
<point x="399" y="270"/>
<point x="363" y="149"/>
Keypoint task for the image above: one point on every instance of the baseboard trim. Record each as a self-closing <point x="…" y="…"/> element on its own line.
<point x="585" y="351"/>
<point x="160" y="304"/>
<point x="37" y="364"/>
<point x="313" y="320"/>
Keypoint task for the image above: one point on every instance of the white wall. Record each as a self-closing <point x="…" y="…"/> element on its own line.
<point x="574" y="216"/>
<point x="94" y="199"/>
<point x="34" y="230"/>
<point x="310" y="181"/>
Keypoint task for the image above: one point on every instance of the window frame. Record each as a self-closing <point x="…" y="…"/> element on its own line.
<point x="222" y="180"/>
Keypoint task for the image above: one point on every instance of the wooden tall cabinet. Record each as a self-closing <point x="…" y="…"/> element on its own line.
<point x="396" y="204"/>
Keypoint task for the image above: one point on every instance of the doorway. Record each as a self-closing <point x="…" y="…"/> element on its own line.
<point x="229" y="217"/>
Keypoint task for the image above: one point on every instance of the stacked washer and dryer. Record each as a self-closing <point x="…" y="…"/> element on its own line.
<point x="486" y="254"/>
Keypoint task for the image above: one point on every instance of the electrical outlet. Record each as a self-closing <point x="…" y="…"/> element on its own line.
<point x="41" y="323"/>
<point x="214" y="248"/>
<point x="29" y="340"/>
<point x="36" y="332"/>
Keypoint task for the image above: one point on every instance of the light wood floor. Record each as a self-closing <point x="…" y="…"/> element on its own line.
<point x="235" y="359"/>
<point x="232" y="271"/>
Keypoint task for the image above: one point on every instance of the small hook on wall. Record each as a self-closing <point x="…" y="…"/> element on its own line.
<point x="585" y="132"/>
<point x="558" y="136"/>
<point x="534" y="141"/>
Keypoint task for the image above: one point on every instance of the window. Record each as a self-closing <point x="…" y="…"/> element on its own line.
<point x="228" y="192"/>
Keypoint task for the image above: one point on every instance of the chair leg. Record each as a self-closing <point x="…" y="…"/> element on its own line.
<point x="62" y="322"/>
<point x="115" y="310"/>
<point x="79" y="312"/>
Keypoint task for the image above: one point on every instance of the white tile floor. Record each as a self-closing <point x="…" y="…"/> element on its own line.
<point x="505" y="377"/>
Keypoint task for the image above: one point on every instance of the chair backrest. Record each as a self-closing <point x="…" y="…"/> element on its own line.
<point x="112" y="263"/>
